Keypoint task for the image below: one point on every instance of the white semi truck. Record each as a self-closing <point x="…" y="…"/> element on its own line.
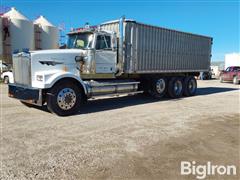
<point x="116" y="57"/>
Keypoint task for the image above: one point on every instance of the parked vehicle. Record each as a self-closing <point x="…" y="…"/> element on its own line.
<point x="3" y="67"/>
<point x="6" y="73"/>
<point x="7" y="77"/>
<point x="232" y="73"/>
<point x="117" y="57"/>
<point x="205" y="75"/>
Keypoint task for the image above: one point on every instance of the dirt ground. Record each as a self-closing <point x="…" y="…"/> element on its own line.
<point x="122" y="138"/>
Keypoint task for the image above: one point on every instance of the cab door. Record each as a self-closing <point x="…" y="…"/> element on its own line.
<point x="105" y="57"/>
<point x="229" y="74"/>
<point x="225" y="74"/>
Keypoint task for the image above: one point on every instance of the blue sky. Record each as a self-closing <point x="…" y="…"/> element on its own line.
<point x="218" y="19"/>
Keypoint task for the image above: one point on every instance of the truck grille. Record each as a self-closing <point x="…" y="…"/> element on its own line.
<point x="22" y="69"/>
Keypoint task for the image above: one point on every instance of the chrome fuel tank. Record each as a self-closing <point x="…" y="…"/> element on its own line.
<point x="111" y="87"/>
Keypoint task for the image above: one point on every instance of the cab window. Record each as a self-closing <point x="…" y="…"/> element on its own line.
<point x="236" y="69"/>
<point x="103" y="42"/>
<point x="108" y="41"/>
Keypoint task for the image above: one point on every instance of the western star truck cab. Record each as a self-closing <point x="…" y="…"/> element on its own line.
<point x="232" y="73"/>
<point x="116" y="57"/>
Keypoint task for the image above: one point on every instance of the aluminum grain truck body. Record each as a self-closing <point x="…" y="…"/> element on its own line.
<point x="117" y="57"/>
<point x="150" y="49"/>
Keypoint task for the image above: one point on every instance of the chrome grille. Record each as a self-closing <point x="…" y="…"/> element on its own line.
<point x="22" y="69"/>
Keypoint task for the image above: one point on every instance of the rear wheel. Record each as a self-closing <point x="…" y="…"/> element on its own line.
<point x="190" y="86"/>
<point x="64" y="98"/>
<point x="235" y="80"/>
<point x="158" y="88"/>
<point x="175" y="87"/>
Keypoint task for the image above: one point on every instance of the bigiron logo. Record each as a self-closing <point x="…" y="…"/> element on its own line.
<point x="202" y="171"/>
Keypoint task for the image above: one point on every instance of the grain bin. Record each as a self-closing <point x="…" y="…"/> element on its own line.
<point x="46" y="34"/>
<point x="1" y="39"/>
<point x="5" y="46"/>
<point x="21" y="31"/>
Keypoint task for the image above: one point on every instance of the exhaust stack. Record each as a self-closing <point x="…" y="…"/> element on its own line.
<point x="121" y="44"/>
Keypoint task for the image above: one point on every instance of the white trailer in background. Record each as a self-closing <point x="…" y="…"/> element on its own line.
<point x="232" y="59"/>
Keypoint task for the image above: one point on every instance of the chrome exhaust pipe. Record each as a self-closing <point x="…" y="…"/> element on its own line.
<point x="121" y="48"/>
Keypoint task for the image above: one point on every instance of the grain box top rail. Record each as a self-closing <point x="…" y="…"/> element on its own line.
<point x="133" y="21"/>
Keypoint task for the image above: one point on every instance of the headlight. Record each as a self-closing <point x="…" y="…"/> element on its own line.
<point x="39" y="77"/>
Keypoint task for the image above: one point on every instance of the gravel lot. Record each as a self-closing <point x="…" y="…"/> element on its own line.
<point x="122" y="138"/>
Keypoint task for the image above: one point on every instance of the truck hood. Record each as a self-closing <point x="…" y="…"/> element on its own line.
<point x="59" y="51"/>
<point x="55" y="60"/>
<point x="66" y="56"/>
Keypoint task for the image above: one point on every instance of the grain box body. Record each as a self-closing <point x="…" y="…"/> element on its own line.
<point x="151" y="49"/>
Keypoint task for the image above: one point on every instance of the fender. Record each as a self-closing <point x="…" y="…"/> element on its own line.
<point x="52" y="78"/>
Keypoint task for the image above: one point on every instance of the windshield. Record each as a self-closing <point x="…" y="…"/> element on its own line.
<point x="80" y="41"/>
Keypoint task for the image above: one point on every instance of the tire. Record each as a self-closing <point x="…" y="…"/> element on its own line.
<point x="175" y="87"/>
<point x="64" y="98"/>
<point x="6" y="80"/>
<point x="158" y="88"/>
<point x="235" y="80"/>
<point x="221" y="79"/>
<point x="204" y="76"/>
<point x="189" y="86"/>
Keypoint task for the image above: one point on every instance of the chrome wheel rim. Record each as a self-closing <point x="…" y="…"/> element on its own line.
<point x="160" y="86"/>
<point x="66" y="98"/>
<point x="178" y="87"/>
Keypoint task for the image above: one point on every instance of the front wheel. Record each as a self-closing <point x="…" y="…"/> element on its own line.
<point x="235" y="80"/>
<point x="64" y="98"/>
